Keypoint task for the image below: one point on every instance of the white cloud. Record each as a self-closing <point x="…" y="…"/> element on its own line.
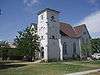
<point x="30" y="2"/>
<point x="92" y="22"/>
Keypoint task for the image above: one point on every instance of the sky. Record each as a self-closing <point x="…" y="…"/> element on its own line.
<point x="16" y="15"/>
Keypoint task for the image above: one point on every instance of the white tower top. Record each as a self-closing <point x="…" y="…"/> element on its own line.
<point x="47" y="9"/>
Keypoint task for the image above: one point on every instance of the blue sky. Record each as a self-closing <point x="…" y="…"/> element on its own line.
<point x="18" y="14"/>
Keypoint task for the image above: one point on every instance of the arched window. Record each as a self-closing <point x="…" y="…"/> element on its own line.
<point x="53" y="18"/>
<point x="42" y="17"/>
<point x="82" y="40"/>
<point x="42" y="54"/>
<point x="64" y="48"/>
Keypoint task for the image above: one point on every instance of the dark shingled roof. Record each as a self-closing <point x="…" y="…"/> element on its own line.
<point x="47" y="9"/>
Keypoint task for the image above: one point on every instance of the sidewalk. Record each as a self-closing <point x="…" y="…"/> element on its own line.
<point x="84" y="72"/>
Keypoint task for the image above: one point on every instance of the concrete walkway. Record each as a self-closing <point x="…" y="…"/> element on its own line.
<point x="38" y="61"/>
<point x="84" y="72"/>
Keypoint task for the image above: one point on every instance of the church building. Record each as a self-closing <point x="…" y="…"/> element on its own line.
<point x="59" y="40"/>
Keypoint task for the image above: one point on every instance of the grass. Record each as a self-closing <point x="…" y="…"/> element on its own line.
<point x="96" y="62"/>
<point x="90" y="62"/>
<point x="41" y="69"/>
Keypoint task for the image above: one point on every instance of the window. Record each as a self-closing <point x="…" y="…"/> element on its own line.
<point x="42" y="48"/>
<point x="64" y="48"/>
<point x="41" y="37"/>
<point x="84" y="32"/>
<point x="74" y="48"/>
<point x="53" y="18"/>
<point x="82" y="40"/>
<point x="42" y="54"/>
<point x="42" y="17"/>
<point x="53" y="37"/>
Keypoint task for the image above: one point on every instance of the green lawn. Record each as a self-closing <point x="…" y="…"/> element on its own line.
<point x="95" y="63"/>
<point x="41" y="69"/>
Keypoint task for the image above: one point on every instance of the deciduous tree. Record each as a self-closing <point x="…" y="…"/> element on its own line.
<point x="28" y="41"/>
<point x="95" y="43"/>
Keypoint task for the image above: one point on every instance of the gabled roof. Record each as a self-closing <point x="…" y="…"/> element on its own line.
<point x="70" y="31"/>
<point x="79" y="29"/>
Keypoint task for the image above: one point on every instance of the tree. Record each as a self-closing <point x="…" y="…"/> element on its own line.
<point x="95" y="43"/>
<point x="86" y="49"/>
<point x="28" y="41"/>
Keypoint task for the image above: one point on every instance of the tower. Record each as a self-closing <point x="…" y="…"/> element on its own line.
<point x="48" y="31"/>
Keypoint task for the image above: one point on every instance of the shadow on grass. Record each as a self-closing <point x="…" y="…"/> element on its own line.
<point x="8" y="65"/>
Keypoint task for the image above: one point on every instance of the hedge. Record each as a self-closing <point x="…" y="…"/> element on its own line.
<point x="12" y="53"/>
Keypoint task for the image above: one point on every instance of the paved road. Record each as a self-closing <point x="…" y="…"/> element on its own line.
<point x="84" y="72"/>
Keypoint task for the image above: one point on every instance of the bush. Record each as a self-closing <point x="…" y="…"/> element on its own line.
<point x="12" y="53"/>
<point x="15" y="57"/>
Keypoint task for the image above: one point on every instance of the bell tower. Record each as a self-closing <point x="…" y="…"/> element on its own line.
<point x="48" y="31"/>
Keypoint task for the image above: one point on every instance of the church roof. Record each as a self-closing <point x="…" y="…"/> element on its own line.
<point x="70" y="31"/>
<point x="67" y="29"/>
<point x="79" y="29"/>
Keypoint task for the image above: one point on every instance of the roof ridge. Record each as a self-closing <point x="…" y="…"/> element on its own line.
<point x="80" y="25"/>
